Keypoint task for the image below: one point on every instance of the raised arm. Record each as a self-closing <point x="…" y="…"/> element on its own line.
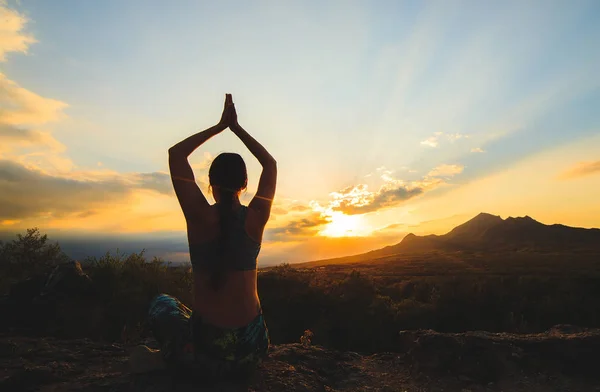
<point x="192" y="201"/>
<point x="263" y="199"/>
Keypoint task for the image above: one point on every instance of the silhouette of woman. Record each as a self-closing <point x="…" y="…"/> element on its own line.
<point x="225" y="333"/>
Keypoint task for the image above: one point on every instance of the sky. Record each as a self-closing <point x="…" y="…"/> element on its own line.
<point x="385" y="117"/>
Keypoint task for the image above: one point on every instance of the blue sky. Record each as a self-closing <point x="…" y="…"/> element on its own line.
<point x="397" y="96"/>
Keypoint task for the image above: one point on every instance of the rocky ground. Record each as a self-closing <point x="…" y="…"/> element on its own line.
<point x="562" y="359"/>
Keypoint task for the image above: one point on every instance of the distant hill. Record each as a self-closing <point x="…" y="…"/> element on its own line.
<point x="490" y="233"/>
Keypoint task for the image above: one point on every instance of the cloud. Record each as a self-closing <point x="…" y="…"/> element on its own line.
<point x="29" y="193"/>
<point x="358" y="200"/>
<point x="431" y="141"/>
<point x="299" y="208"/>
<point x="477" y="149"/>
<point x="19" y="106"/>
<point x="156" y="181"/>
<point x="12" y="38"/>
<point x="285" y="205"/>
<point x="394" y="230"/>
<point x="304" y="227"/>
<point x="446" y="170"/>
<point x="385" y="174"/>
<point x="201" y="163"/>
<point x="47" y="162"/>
<point x="455" y="136"/>
<point x="278" y="211"/>
<point x="86" y="214"/>
<point x="393" y="226"/>
<point x="434" y="141"/>
<point x="581" y="169"/>
<point x="12" y="136"/>
<point x="39" y="184"/>
<point x="26" y="193"/>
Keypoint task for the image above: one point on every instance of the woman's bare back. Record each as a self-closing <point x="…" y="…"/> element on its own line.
<point x="236" y="303"/>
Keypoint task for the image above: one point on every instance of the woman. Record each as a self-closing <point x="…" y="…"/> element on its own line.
<point x="225" y="333"/>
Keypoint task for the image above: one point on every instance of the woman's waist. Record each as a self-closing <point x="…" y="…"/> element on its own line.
<point x="228" y="310"/>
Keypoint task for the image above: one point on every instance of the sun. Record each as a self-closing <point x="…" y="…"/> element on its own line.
<point x="342" y="225"/>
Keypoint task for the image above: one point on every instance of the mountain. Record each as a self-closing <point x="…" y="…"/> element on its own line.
<point x="490" y="233"/>
<point x="487" y="232"/>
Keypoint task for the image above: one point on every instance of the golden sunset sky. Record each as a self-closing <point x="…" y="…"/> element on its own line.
<point x="385" y="117"/>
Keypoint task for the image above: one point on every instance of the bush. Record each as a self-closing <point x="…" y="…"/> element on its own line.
<point x="28" y="255"/>
<point x="347" y="311"/>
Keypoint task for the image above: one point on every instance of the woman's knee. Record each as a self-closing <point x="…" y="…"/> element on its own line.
<point x="159" y="304"/>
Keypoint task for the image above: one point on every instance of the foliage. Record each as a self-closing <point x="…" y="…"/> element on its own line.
<point x="359" y="308"/>
<point x="27" y="255"/>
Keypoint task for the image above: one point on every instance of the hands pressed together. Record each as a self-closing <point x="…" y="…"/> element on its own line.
<point x="229" y="116"/>
<point x="228" y="120"/>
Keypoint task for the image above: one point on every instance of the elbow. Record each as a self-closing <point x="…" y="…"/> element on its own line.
<point x="174" y="153"/>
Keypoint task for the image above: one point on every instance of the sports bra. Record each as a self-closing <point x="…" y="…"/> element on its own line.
<point x="242" y="251"/>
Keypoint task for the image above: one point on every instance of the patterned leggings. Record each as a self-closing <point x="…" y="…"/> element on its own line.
<point x="189" y="343"/>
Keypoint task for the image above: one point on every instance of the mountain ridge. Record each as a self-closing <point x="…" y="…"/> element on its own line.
<point x="490" y="233"/>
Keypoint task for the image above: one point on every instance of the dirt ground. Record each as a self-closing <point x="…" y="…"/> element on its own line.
<point x="559" y="360"/>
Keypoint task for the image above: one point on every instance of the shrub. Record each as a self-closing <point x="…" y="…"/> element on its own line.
<point x="31" y="254"/>
<point x="348" y="311"/>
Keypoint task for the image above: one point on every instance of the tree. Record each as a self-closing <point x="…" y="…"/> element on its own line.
<point x="30" y="254"/>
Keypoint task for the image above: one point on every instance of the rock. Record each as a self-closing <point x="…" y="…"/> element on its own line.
<point x="487" y="357"/>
